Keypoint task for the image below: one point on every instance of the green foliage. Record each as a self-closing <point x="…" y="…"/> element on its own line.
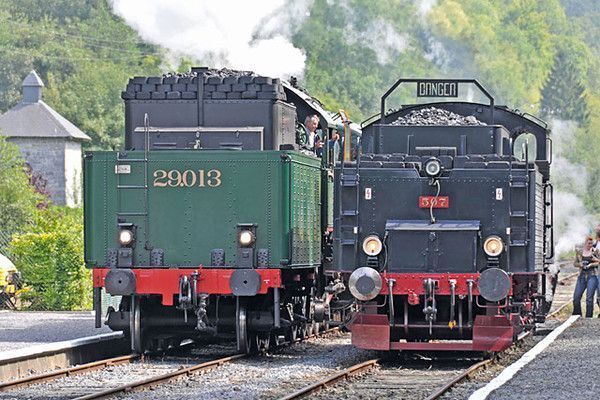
<point x="18" y="199"/>
<point x="84" y="54"/>
<point x="563" y="96"/>
<point x="50" y="258"/>
<point x="357" y="49"/>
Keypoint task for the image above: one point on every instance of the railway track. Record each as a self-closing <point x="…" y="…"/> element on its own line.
<point x="167" y="377"/>
<point x="389" y="380"/>
<point x="444" y="379"/>
<point x="18" y="364"/>
<point x="144" y="366"/>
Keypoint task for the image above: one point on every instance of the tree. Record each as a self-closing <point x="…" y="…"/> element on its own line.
<point x="563" y="96"/>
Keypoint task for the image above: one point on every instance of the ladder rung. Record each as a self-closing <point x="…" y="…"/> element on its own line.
<point x="347" y="242"/>
<point x="131" y="160"/>
<point x="350" y="213"/>
<point x="350" y="180"/>
<point x="132" y="187"/>
<point x="518" y="243"/>
<point x="132" y="214"/>
<point x="518" y="184"/>
<point x="518" y="214"/>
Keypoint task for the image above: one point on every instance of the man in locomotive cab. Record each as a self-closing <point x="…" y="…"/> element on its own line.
<point x="314" y="142"/>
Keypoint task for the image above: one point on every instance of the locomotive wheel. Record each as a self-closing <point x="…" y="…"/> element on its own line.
<point x="135" y="325"/>
<point x="247" y="341"/>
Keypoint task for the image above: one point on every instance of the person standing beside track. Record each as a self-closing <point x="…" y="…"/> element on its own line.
<point x="597" y="248"/>
<point x="587" y="260"/>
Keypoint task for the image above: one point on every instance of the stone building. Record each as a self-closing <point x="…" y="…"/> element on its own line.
<point x="49" y="143"/>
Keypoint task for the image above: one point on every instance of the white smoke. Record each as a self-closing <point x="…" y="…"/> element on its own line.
<point x="381" y="37"/>
<point x="435" y="51"/>
<point x="222" y="33"/>
<point x="572" y="222"/>
<point x="424" y="6"/>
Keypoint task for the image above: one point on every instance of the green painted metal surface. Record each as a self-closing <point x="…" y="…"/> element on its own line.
<point x="195" y="199"/>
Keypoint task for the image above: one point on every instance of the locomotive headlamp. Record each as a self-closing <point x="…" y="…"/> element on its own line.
<point x="246" y="238"/>
<point x="365" y="283"/>
<point x="372" y="245"/>
<point x="493" y="246"/>
<point x="125" y="237"/>
<point x="433" y="167"/>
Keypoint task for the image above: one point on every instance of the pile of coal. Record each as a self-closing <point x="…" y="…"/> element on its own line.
<point x="215" y="84"/>
<point x="436" y="116"/>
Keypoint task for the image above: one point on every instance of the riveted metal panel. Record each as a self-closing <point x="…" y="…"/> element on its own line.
<point x="393" y="194"/>
<point x="187" y="221"/>
<point x="306" y="214"/>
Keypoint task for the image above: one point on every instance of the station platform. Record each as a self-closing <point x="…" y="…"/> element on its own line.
<point x="23" y="329"/>
<point x="568" y="368"/>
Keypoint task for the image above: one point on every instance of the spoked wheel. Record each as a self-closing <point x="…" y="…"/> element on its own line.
<point x="135" y="325"/>
<point x="247" y="341"/>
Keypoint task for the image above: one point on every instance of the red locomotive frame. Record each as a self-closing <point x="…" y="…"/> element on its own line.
<point x="492" y="332"/>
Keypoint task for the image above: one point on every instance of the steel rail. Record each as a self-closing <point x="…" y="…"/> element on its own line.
<point x="438" y="393"/>
<point x="344" y="374"/>
<point x="202" y="367"/>
<point x="145" y="383"/>
<point x="482" y="364"/>
<point x="459" y="378"/>
<point x="64" y="372"/>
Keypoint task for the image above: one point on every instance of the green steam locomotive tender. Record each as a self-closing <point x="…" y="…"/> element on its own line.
<point x="213" y="222"/>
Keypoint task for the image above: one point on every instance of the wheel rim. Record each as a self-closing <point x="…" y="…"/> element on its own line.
<point x="243" y="338"/>
<point x="135" y="325"/>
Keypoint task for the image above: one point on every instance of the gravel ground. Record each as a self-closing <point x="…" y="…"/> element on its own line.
<point x="265" y="377"/>
<point x="465" y="389"/>
<point x="396" y="379"/>
<point x="568" y="369"/>
<point x="19" y="329"/>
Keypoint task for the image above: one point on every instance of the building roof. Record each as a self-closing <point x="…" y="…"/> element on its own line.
<point x="36" y="119"/>
<point x="33" y="79"/>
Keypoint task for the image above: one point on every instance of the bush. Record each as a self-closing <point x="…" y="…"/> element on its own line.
<point x="50" y="259"/>
<point x="18" y="199"/>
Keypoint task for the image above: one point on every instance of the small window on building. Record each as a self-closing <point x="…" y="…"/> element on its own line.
<point x="525" y="146"/>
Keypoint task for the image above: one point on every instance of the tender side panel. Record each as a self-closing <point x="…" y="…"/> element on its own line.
<point x="305" y="212"/>
<point x="195" y="202"/>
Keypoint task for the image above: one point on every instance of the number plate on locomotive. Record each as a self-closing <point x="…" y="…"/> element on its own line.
<point x="440" y="202"/>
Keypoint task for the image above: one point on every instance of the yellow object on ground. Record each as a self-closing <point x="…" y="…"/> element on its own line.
<point x="9" y="283"/>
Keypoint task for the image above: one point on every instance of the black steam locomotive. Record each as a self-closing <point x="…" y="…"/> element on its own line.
<point x="443" y="224"/>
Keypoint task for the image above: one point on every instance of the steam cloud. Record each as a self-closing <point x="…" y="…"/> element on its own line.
<point x="571" y="219"/>
<point x="381" y="37"/>
<point x="227" y="33"/>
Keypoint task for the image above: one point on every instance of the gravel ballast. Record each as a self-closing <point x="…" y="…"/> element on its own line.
<point x="266" y="377"/>
<point x="19" y="329"/>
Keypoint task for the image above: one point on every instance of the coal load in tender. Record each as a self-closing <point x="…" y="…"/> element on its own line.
<point x="219" y="84"/>
<point x="436" y="116"/>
